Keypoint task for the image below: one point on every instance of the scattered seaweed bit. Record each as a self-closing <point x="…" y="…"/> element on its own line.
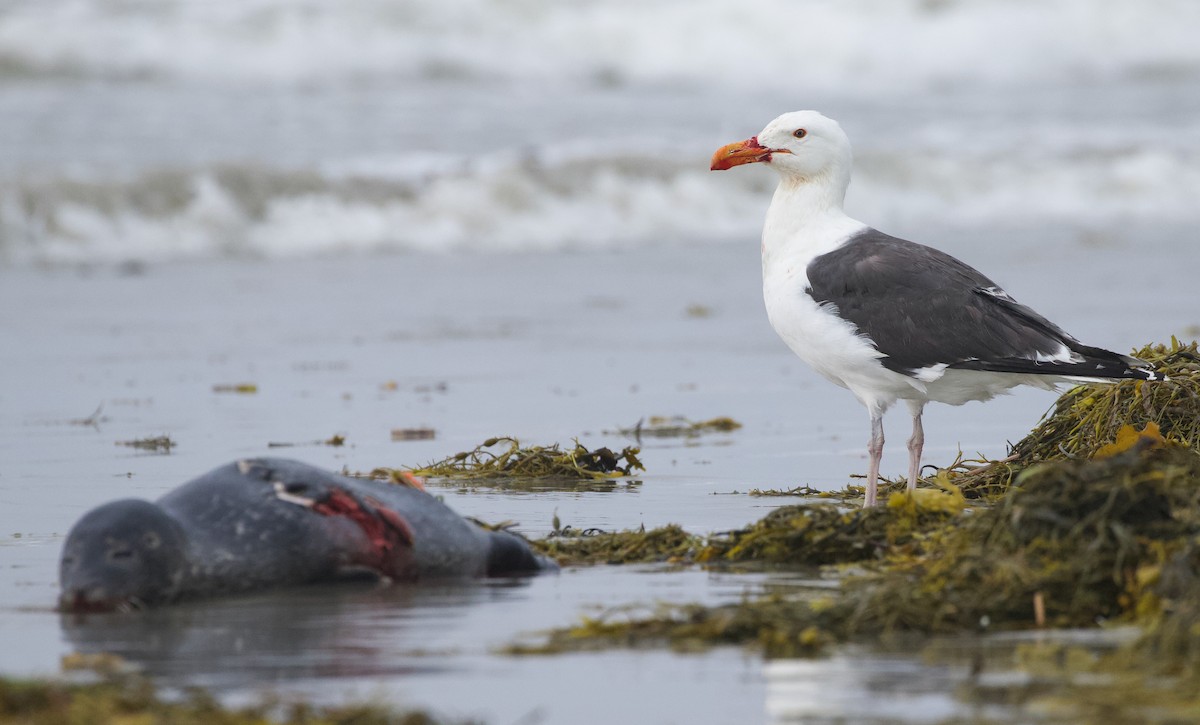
<point x="133" y="699"/>
<point x="783" y="626"/>
<point x="336" y="441"/>
<point x="698" y="311"/>
<point x="92" y="421"/>
<point x="413" y="434"/>
<point x="570" y="546"/>
<point x="508" y="484"/>
<point x="545" y="484"/>
<point x="676" y="426"/>
<point x="156" y="444"/>
<point x="970" y="477"/>
<point x="514" y="461"/>
<point x="845" y="495"/>
<point x="241" y="388"/>
<point x="801" y="490"/>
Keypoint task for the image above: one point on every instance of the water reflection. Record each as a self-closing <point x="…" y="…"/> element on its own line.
<point x="308" y="632"/>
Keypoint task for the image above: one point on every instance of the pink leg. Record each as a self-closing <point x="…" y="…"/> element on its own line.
<point x="915" y="446"/>
<point x="875" y="451"/>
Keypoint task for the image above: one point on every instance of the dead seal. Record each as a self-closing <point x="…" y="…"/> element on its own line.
<point x="263" y="523"/>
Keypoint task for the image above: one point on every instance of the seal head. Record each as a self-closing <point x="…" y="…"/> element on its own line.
<point x="125" y="554"/>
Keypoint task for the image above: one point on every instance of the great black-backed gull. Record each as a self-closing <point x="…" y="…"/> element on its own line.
<point x="886" y="318"/>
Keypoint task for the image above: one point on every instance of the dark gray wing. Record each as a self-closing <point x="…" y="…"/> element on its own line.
<point x="921" y="307"/>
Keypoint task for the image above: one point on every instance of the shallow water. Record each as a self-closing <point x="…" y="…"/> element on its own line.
<point x="474" y="350"/>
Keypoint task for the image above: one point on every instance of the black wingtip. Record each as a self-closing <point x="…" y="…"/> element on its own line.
<point x="1113" y="369"/>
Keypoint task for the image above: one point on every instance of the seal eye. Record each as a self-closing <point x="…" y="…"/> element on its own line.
<point x="151" y="540"/>
<point x="799" y="133"/>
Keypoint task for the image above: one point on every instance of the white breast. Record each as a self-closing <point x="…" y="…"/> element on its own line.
<point x="818" y="336"/>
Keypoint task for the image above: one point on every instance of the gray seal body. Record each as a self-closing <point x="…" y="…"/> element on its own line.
<point x="263" y="523"/>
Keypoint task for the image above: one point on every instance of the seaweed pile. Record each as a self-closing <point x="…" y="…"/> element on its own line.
<point x="810" y="535"/>
<point x="1082" y="421"/>
<point x="1097" y="525"/>
<point x="516" y="461"/>
<point x="591" y="546"/>
<point x="128" y="699"/>
<point x="1087" y="417"/>
<point x="513" y="465"/>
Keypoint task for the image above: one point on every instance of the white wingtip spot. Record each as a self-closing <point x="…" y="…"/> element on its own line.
<point x="931" y="373"/>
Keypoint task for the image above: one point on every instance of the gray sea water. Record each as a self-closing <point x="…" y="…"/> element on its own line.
<point x="492" y="218"/>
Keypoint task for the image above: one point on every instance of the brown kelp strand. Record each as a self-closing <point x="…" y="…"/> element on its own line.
<point x="157" y="444"/>
<point x="658" y="426"/>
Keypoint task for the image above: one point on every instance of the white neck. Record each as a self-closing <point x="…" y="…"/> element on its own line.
<point x="806" y="219"/>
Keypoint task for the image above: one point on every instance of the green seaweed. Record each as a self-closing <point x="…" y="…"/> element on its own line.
<point x="591" y="546"/>
<point x="128" y="699"/>
<point x="1082" y="420"/>
<point x="1087" y="417"/>
<point x="1085" y="538"/>
<point x="1069" y="541"/>
<point x="511" y="460"/>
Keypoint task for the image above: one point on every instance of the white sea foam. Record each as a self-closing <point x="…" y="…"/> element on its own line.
<point x="550" y="201"/>
<point x="784" y="44"/>
<point x="1049" y="117"/>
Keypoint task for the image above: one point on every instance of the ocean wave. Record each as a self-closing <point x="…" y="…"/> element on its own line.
<point x="784" y="44"/>
<point x="538" y="201"/>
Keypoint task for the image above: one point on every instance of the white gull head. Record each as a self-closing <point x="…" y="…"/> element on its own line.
<point x="809" y="146"/>
<point x="804" y="147"/>
<point x="812" y="155"/>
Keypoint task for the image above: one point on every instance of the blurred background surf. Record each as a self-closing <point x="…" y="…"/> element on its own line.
<point x="179" y="129"/>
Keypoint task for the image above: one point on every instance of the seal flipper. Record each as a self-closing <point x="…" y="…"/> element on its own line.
<point x="509" y="555"/>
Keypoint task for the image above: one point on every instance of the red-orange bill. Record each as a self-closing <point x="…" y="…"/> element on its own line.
<point x="743" y="152"/>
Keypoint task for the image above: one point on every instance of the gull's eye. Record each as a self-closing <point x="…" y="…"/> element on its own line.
<point x="799" y="133"/>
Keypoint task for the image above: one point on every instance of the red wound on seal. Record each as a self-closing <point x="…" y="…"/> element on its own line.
<point x="385" y="529"/>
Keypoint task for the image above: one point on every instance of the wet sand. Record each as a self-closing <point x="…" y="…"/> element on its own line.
<point x="544" y="347"/>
